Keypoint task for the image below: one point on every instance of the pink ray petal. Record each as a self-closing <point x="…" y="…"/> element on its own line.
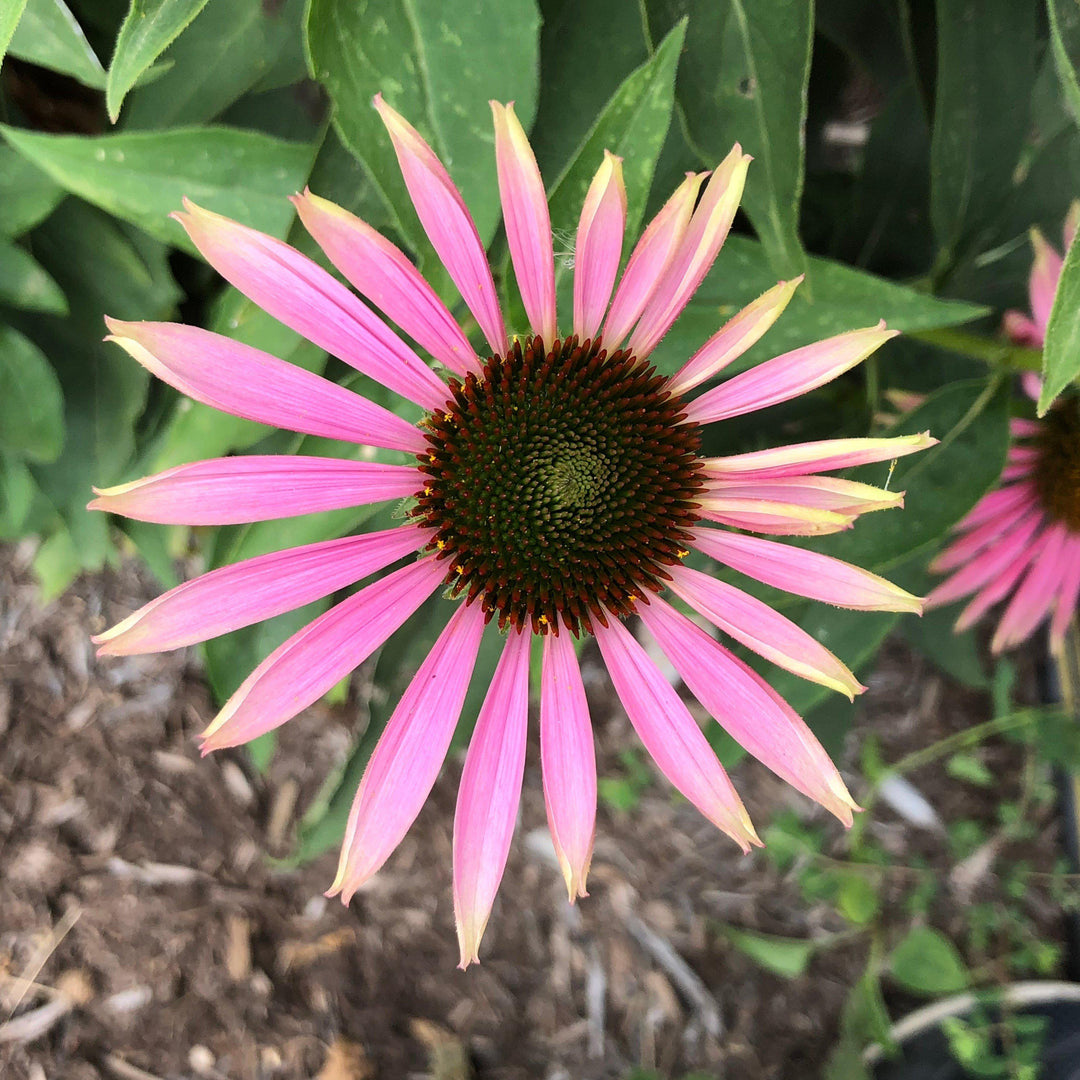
<point x="237" y="490"/>
<point x="599" y="246"/>
<point x="1032" y="601"/>
<point x="448" y="224"/>
<point x="759" y="627"/>
<point x="1022" y="429"/>
<point x="246" y="382"/>
<point x="988" y="565"/>
<point x="1031" y="384"/>
<point x="799" y="459"/>
<point x="303" y="296"/>
<point x="737" y="335"/>
<point x="298" y="672"/>
<point x="379" y="270"/>
<point x="1068" y="593"/>
<point x="1021" y="330"/>
<point x="1043" y="281"/>
<point x="997" y="589"/>
<point x="650" y="259"/>
<point x="407" y="759"/>
<point x="670" y="733"/>
<point x="489" y="794"/>
<point x="972" y="543"/>
<point x="568" y="760"/>
<point x="528" y="223"/>
<point x="776" y="517"/>
<point x="1022" y="455"/>
<point x="788" y="376"/>
<point x="804" y="573"/>
<point x="1003" y="502"/>
<point x="256" y="589"/>
<point x="696" y="252"/>
<point x="815" y="492"/>
<point x="748" y="709"/>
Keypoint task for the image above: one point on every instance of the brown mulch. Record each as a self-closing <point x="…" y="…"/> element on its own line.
<point x="144" y="932"/>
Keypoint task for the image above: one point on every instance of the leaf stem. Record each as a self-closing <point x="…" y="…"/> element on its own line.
<point x="1000" y="354"/>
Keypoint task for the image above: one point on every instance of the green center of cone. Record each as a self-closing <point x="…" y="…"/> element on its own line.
<point x="559" y="482"/>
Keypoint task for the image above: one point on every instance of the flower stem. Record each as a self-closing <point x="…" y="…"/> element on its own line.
<point x="991" y="351"/>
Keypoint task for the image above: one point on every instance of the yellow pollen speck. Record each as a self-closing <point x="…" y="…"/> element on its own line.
<point x="682" y="554"/>
<point x="459" y="568"/>
<point x="431" y="458"/>
<point x="427" y="491"/>
<point x="440" y="544"/>
<point x="543" y="619"/>
<point x="632" y="596"/>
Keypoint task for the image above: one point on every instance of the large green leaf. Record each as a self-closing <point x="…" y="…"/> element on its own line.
<point x="143" y="177"/>
<point x="148" y="29"/>
<point x="49" y="35"/>
<point x="744" y="78"/>
<point x="633" y="125"/>
<point x="223" y="54"/>
<point x="31" y="402"/>
<point x="1061" y="352"/>
<point x="10" y="14"/>
<point x="438" y="62"/>
<point x="27" y="195"/>
<point x="840" y="298"/>
<point x="24" y="284"/>
<point x="986" y="70"/>
<point x="1065" y="41"/>
<point x="568" y="46"/>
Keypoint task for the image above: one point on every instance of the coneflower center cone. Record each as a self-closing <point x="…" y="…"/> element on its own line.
<point x="1057" y="471"/>
<point x="561" y="482"/>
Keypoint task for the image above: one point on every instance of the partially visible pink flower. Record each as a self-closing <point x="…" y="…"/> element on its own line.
<point x="555" y="485"/>
<point x="1030" y="330"/>
<point x="1022" y="540"/>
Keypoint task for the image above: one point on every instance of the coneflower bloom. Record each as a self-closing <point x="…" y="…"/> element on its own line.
<point x="556" y="487"/>
<point x="1022" y="540"/>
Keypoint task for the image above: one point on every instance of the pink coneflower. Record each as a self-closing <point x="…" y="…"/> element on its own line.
<point x="557" y="487"/>
<point x="1023" y="538"/>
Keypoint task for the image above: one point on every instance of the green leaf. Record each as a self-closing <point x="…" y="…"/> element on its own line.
<point x="147" y="30"/>
<point x="986" y="70"/>
<point x="438" y="62"/>
<point x="839" y="298"/>
<point x="31" y="401"/>
<point x="571" y="29"/>
<point x="857" y="898"/>
<point x="783" y="956"/>
<point x="864" y="1020"/>
<point x="49" y="35"/>
<point x="1061" y="352"/>
<point x="633" y="125"/>
<point x="1065" y="42"/>
<point x="24" y="284"/>
<point x="744" y="77"/>
<point x="56" y="564"/>
<point x="143" y="177"/>
<point x="222" y="55"/>
<point x="926" y="962"/>
<point x="10" y="14"/>
<point x="27" y="195"/>
<point x="17" y="495"/>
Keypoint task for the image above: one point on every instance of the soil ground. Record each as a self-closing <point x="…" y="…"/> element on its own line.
<point x="144" y="933"/>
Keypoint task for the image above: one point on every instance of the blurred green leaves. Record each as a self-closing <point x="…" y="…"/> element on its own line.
<point x="48" y="34"/>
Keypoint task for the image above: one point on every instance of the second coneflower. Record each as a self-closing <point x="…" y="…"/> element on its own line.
<point x="1021" y="542"/>
<point x="557" y="487"/>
